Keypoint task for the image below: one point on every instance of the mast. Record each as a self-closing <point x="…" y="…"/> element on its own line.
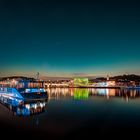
<point x="37" y="76"/>
<point x="37" y="79"/>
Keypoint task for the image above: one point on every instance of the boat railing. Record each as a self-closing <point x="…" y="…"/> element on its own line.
<point x="10" y="91"/>
<point x="6" y="90"/>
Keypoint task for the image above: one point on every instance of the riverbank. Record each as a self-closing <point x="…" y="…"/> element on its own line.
<point x="116" y="87"/>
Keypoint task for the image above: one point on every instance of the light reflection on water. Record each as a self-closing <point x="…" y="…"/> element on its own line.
<point x="69" y="109"/>
<point x="72" y="94"/>
<point x="26" y="109"/>
<point x="86" y="93"/>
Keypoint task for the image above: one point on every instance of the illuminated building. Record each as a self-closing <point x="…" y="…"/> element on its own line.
<point x="81" y="82"/>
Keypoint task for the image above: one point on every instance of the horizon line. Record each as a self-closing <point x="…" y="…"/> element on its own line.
<point x="72" y="76"/>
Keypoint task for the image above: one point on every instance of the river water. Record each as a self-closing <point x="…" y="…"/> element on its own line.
<point x="80" y="112"/>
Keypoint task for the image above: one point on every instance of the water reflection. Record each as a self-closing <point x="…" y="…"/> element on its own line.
<point x="81" y="94"/>
<point x="69" y="109"/>
<point x="86" y="93"/>
<point x="23" y="108"/>
<point x="29" y="109"/>
<point x="36" y="107"/>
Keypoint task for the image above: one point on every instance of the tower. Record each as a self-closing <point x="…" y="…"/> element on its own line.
<point x="107" y="78"/>
<point x="37" y="76"/>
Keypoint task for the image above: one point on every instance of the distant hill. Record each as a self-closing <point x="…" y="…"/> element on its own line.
<point x="17" y="77"/>
<point x="54" y="78"/>
<point x="64" y="78"/>
<point x="131" y="77"/>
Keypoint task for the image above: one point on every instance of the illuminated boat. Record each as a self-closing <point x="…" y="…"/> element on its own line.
<point x="23" y="92"/>
<point x="24" y="102"/>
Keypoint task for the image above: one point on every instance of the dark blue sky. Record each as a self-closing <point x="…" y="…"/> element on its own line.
<point x="63" y="38"/>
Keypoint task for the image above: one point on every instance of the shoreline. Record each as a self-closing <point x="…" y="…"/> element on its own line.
<point x="100" y="87"/>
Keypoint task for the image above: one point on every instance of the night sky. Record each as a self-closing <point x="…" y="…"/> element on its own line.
<point x="64" y="38"/>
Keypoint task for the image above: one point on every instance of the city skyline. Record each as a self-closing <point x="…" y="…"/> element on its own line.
<point x="73" y="38"/>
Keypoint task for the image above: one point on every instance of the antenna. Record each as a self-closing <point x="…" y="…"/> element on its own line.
<point x="107" y="77"/>
<point x="37" y="76"/>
